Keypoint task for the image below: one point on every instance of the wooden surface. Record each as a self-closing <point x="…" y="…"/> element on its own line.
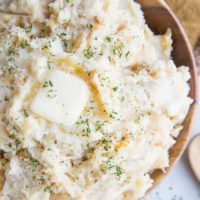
<point x="194" y="152"/>
<point x="159" y="17"/>
<point x="188" y="12"/>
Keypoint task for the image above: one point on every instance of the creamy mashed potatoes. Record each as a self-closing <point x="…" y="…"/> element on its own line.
<point x="90" y="100"/>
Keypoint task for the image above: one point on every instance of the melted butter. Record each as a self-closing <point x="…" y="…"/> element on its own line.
<point x="75" y="68"/>
<point x="76" y="43"/>
<point x="34" y="87"/>
<point x="95" y="95"/>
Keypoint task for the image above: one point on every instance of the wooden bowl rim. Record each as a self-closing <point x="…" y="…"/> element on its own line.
<point x="159" y="175"/>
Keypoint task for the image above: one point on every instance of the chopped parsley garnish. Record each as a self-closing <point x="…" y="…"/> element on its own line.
<point x="11" y="69"/>
<point x="51" y="93"/>
<point x="118" y="172"/>
<point x="117" y="48"/>
<point x="48" y="84"/>
<point x="127" y="54"/>
<point x="87" y="130"/>
<point x="80" y="121"/>
<point x="6" y="98"/>
<point x="113" y="114"/>
<point x="108" y="39"/>
<point x="29" y="28"/>
<point x="10" y="51"/>
<point x="63" y="34"/>
<point x="99" y="125"/>
<point x="115" y="89"/>
<point x="88" y="52"/>
<point x="109" y="165"/>
<point x="15" y="145"/>
<point x="25" y="113"/>
<point x="89" y="26"/>
<point x="34" y="163"/>
<point x="109" y="58"/>
<point x="23" y="44"/>
<point x="106" y="145"/>
<point x="65" y="44"/>
<point x="49" y="189"/>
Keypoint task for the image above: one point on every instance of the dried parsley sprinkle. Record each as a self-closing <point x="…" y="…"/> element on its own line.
<point x="25" y="113"/>
<point x="63" y="34"/>
<point x="117" y="48"/>
<point x="10" y="145"/>
<point x="22" y="44"/>
<point x="118" y="172"/>
<point x="106" y="144"/>
<point x="29" y="28"/>
<point x="113" y="114"/>
<point x="89" y="26"/>
<point x="48" y="84"/>
<point x="95" y="180"/>
<point x="51" y="93"/>
<point x="48" y="189"/>
<point x="34" y="163"/>
<point x="127" y="54"/>
<point x="99" y="125"/>
<point x="80" y="121"/>
<point x="65" y="44"/>
<point x="6" y="98"/>
<point x="88" y="52"/>
<point x="115" y="89"/>
<point x="108" y="39"/>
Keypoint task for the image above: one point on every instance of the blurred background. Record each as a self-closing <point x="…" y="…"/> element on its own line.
<point x="181" y="184"/>
<point x="188" y="12"/>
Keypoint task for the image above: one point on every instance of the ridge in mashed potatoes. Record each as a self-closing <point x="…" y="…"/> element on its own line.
<point x="132" y="104"/>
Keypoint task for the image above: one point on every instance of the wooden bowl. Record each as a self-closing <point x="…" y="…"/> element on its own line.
<point x="159" y="17"/>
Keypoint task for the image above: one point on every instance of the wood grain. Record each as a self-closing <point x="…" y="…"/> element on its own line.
<point x="193" y="153"/>
<point x="189" y="14"/>
<point x="159" y="17"/>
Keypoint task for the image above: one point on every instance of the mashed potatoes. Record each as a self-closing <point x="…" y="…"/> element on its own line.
<point x="90" y="100"/>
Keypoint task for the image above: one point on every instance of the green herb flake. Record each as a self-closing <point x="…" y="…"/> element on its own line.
<point x="23" y="44"/>
<point x="63" y="34"/>
<point x="49" y="189"/>
<point x="99" y="125"/>
<point x="118" y="172"/>
<point x="88" y="52"/>
<point x="48" y="84"/>
<point x="117" y="48"/>
<point x="113" y="114"/>
<point x="108" y="39"/>
<point x="127" y="54"/>
<point x="89" y="26"/>
<point x="29" y="28"/>
<point x="115" y="89"/>
<point x="6" y="98"/>
<point x="51" y="93"/>
<point x="25" y="113"/>
<point x="65" y="44"/>
<point x="34" y="163"/>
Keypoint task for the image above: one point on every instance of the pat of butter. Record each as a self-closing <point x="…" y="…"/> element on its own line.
<point x="61" y="99"/>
